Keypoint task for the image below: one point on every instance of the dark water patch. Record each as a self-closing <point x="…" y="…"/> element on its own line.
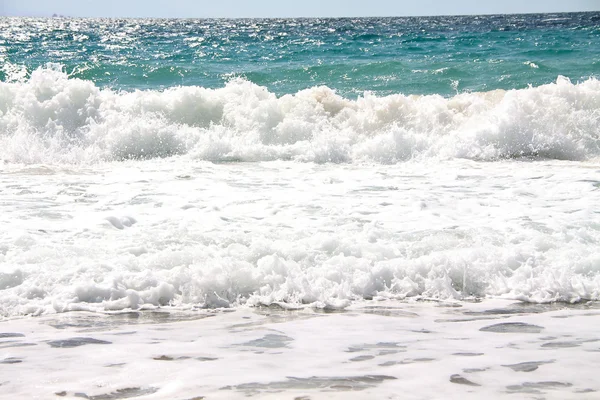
<point x="417" y="360"/>
<point x="406" y="361"/>
<point x="116" y="365"/>
<point x="579" y="305"/>
<point x="522" y="389"/>
<point x="388" y="312"/>
<point x="7" y="345"/>
<point x="11" y="360"/>
<point x="565" y="316"/>
<point x="484" y="318"/>
<point x="126" y="393"/>
<point x="377" y="346"/>
<point x="389" y="363"/>
<point x="390" y="352"/>
<point x="586" y="391"/>
<point x="76" y="342"/>
<point x="468" y="354"/>
<point x="270" y="341"/>
<point x="362" y="358"/>
<point x="10" y="335"/>
<point x="513" y="327"/>
<point x="338" y="384"/>
<point x="473" y="370"/>
<point x="446" y="304"/>
<point x="206" y="358"/>
<point x="525" y="308"/>
<point x="113" y="321"/>
<point x="462" y="381"/>
<point x="527" y="366"/>
<point x="163" y="358"/>
<point x="560" y="345"/>
<point x="169" y="358"/>
<point x="536" y="387"/>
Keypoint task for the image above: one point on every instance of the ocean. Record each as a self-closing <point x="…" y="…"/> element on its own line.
<point x="387" y="208"/>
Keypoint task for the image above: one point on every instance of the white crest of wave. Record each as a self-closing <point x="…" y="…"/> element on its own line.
<point x="50" y="118"/>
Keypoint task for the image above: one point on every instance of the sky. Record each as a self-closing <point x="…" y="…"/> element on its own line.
<point x="284" y="8"/>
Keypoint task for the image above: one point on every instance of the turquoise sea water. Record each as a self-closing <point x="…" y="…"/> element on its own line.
<point x="420" y="55"/>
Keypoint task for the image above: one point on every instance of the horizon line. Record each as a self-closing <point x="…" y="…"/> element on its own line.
<point x="61" y="16"/>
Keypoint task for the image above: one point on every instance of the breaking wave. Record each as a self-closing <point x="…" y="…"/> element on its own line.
<point x="52" y="119"/>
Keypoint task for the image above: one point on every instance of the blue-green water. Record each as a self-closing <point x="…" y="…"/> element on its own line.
<point x="424" y="55"/>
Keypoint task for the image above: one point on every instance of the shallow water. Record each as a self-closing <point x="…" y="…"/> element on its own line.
<point x="410" y="350"/>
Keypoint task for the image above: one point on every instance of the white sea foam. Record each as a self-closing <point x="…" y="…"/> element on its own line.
<point x="52" y="119"/>
<point x="145" y="234"/>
